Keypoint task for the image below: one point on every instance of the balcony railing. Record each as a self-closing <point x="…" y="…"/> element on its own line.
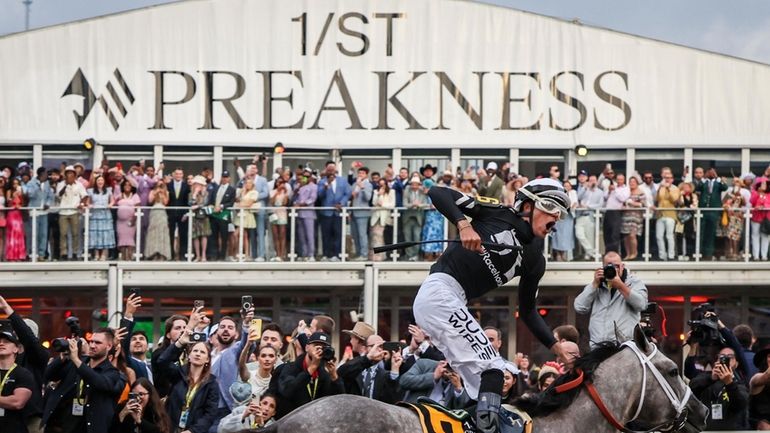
<point x="688" y="235"/>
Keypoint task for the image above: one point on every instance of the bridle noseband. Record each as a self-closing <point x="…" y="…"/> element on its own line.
<point x="646" y="361"/>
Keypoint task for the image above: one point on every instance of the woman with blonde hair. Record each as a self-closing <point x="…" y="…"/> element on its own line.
<point x="633" y="217"/>
<point x="244" y="219"/>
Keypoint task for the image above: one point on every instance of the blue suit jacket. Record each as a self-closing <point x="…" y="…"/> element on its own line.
<point x="329" y="198"/>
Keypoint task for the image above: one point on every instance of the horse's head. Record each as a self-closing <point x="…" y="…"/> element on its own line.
<point x="665" y="401"/>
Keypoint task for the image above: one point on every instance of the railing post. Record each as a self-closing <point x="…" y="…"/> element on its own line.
<point x="33" y="243"/>
<point x="241" y="232"/>
<point x="597" y="217"/>
<point x="138" y="249"/>
<point x="396" y="215"/>
<point x="647" y="216"/>
<point x="343" y="243"/>
<point x="747" y="235"/>
<point x="190" y="217"/>
<point x="293" y="234"/>
<point x="698" y="216"/>
<point x="86" y="238"/>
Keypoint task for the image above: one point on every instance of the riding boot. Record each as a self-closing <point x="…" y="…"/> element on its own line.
<point x="489" y="401"/>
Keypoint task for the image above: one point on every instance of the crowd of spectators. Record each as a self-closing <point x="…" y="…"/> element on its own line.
<point x="246" y="216"/>
<point x="239" y="374"/>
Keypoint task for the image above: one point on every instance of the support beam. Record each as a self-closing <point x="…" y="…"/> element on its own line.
<point x="454" y="160"/>
<point x="688" y="168"/>
<point x="157" y="158"/>
<point x="114" y="296"/>
<point x="370" y="303"/>
<point x="745" y="161"/>
<point x="630" y="162"/>
<point x="513" y="159"/>
<point x="218" y="163"/>
<point x="98" y="155"/>
<point x="570" y="164"/>
<point x="396" y="160"/>
<point x="37" y="156"/>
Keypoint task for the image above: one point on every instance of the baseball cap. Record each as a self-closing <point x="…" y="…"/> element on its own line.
<point x="583" y="172"/>
<point x="492" y="166"/>
<point x="225" y="173"/>
<point x="320" y="337"/>
<point x="9" y="336"/>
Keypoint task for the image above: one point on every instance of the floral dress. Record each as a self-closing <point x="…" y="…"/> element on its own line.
<point x="433" y="227"/>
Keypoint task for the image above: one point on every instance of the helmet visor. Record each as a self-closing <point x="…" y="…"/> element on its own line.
<point x="546" y="204"/>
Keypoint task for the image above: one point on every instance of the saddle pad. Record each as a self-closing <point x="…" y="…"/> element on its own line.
<point x="435" y="418"/>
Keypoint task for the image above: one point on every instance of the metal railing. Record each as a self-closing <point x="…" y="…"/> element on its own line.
<point x="686" y="248"/>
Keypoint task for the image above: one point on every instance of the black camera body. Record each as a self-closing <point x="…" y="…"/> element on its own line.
<point x="705" y="330"/>
<point x="645" y="319"/>
<point x="328" y="354"/>
<point x="610" y="272"/>
<point x="198" y="337"/>
<point x="724" y="360"/>
<point x="61" y="345"/>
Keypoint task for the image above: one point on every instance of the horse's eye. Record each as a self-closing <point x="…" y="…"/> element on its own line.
<point x="674" y="372"/>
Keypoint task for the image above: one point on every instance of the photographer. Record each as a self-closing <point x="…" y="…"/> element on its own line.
<point x="192" y="404"/>
<point x="88" y="388"/>
<point x="312" y="376"/>
<point x="724" y="391"/>
<point x="143" y="411"/>
<point x="34" y="358"/>
<point x="615" y="300"/>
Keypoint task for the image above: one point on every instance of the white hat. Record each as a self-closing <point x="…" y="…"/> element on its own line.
<point x="199" y="180"/>
<point x="415" y="179"/>
<point x="511" y="367"/>
<point x="492" y="166"/>
<point x="69" y="168"/>
<point x="32" y="327"/>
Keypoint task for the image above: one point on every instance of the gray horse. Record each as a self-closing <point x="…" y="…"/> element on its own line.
<point x="617" y="374"/>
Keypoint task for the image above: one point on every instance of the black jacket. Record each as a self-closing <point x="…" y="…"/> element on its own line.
<point x="160" y="381"/>
<point x="140" y="368"/>
<point x="35" y="359"/>
<point x="294" y="382"/>
<point x="102" y="388"/>
<point x="203" y="407"/>
<point x="734" y="399"/>
<point x="228" y="200"/>
<point x="183" y="200"/>
<point x="386" y="389"/>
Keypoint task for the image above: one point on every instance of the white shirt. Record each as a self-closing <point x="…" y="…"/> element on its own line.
<point x="72" y="197"/>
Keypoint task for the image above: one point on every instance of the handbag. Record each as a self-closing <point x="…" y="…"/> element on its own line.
<point x="725" y="219"/>
<point x="764" y="226"/>
<point x="683" y="216"/>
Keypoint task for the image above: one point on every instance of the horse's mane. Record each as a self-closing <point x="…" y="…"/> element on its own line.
<point x="548" y="401"/>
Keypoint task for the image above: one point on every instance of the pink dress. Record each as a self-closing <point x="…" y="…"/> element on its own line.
<point x="127" y="220"/>
<point x="14" y="233"/>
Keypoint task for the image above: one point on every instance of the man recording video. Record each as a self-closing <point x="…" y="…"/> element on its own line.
<point x="615" y="300"/>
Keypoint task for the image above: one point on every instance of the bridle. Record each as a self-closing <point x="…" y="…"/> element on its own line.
<point x="646" y="361"/>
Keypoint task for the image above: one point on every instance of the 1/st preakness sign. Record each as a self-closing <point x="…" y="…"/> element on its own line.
<point x="377" y="73"/>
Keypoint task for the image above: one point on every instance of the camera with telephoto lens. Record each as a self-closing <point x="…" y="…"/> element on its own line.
<point x="61" y="345"/>
<point x="705" y="330"/>
<point x="610" y="272"/>
<point x="645" y="319"/>
<point x="327" y="354"/>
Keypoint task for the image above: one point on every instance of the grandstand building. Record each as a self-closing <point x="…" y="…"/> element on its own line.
<point x="451" y="83"/>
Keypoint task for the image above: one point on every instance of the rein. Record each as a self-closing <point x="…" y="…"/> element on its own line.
<point x="646" y="362"/>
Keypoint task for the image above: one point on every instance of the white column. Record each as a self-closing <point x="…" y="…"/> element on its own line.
<point x="157" y="158"/>
<point x="370" y="301"/>
<point x="630" y="161"/>
<point x="454" y="161"/>
<point x="396" y="160"/>
<point x="745" y="161"/>
<point x="688" y="164"/>
<point x="217" y="162"/>
<point x="570" y="163"/>
<point x="277" y="161"/>
<point x="37" y="156"/>
<point x="513" y="158"/>
<point x="98" y="155"/>
<point x="114" y="295"/>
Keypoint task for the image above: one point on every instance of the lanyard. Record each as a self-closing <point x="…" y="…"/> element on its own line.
<point x="315" y="389"/>
<point x="80" y="398"/>
<point x="189" y="396"/>
<point x="5" y="379"/>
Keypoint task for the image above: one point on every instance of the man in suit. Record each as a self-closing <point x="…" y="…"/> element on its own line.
<point x="178" y="195"/>
<point x="332" y="192"/>
<point x="435" y="380"/>
<point x="222" y="198"/>
<point x="710" y="193"/>
<point x="367" y="375"/>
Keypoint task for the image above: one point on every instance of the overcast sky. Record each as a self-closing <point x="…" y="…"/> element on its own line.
<point x="739" y="27"/>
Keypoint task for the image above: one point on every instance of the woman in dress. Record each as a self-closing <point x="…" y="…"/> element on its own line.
<point x="15" y="248"/>
<point x="279" y="198"/>
<point x="2" y="218"/>
<point x="383" y="197"/>
<point x="633" y="218"/>
<point x="101" y="232"/>
<point x="563" y="241"/>
<point x="733" y="205"/>
<point x="247" y="197"/>
<point x="126" y="204"/>
<point x="760" y="204"/>
<point x="688" y="202"/>
<point x="199" y="197"/>
<point x="157" y="246"/>
<point x="433" y="227"/>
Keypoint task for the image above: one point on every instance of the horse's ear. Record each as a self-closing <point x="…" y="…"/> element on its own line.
<point x="640" y="339"/>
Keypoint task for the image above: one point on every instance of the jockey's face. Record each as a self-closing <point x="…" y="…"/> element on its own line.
<point x="542" y="222"/>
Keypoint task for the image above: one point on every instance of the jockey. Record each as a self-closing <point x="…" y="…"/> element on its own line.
<point x="469" y="271"/>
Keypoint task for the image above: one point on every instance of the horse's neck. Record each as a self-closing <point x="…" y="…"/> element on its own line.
<point x="581" y="416"/>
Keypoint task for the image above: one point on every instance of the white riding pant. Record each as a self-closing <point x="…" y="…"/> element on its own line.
<point x="440" y="310"/>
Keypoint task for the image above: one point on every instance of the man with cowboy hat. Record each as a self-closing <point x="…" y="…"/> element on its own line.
<point x="358" y="335"/>
<point x="70" y="196"/>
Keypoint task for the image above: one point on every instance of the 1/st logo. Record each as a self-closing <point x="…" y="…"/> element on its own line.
<point x="79" y="86"/>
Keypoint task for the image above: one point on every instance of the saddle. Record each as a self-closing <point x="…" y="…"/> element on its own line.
<point x="435" y="418"/>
